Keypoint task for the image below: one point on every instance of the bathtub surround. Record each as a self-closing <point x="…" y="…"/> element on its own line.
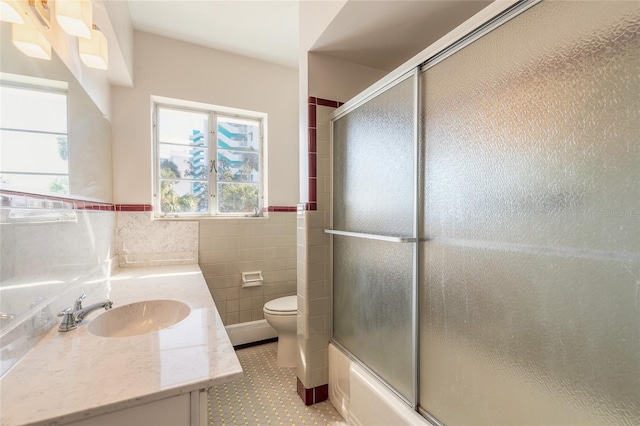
<point x="228" y="247"/>
<point x="141" y="241"/>
<point x="313" y="285"/>
<point x="53" y="249"/>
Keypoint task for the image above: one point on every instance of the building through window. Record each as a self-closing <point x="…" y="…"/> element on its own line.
<point x="207" y="161"/>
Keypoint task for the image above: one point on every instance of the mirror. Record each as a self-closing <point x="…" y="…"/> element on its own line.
<point x="53" y="139"/>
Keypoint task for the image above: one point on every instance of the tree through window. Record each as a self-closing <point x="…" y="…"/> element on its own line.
<point x="207" y="162"/>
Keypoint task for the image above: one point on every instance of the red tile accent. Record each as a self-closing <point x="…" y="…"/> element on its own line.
<point x="312" y="205"/>
<point x="305" y="394"/>
<point x="312" y="166"/>
<point x="312" y="116"/>
<point x="313" y="195"/>
<point x="321" y="393"/>
<point x="327" y="103"/>
<point x="313" y="395"/>
<point x="39" y="201"/>
<point x="312" y="141"/>
<point x="133" y="207"/>
<point x="281" y="209"/>
<point x="312" y="100"/>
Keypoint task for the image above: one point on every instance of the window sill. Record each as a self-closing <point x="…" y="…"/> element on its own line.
<point x="198" y="218"/>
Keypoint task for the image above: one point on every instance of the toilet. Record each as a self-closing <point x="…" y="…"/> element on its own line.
<point x="281" y="314"/>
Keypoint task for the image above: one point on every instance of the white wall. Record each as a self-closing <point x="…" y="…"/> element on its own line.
<point x="174" y="69"/>
<point x="314" y="18"/>
<point x="339" y="80"/>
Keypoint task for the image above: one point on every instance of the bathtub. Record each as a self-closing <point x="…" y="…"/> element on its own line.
<point x="361" y="399"/>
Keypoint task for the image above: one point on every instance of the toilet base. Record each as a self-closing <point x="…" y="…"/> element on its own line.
<point x="286" y="352"/>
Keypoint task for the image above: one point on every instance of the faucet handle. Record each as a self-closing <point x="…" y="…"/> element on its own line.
<point x="67" y="311"/>
<point x="68" y="322"/>
<point x="78" y="304"/>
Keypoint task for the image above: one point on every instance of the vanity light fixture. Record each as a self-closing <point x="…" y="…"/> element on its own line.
<point x="41" y="8"/>
<point x="75" y="17"/>
<point x="30" y="41"/>
<point x="94" y="52"/>
<point x="10" y="12"/>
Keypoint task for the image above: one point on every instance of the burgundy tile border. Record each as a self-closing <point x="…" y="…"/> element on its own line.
<point x="281" y="209"/>
<point x="313" y="187"/>
<point x="134" y="207"/>
<point x="10" y="198"/>
<point x="312" y="148"/>
<point x="313" y="395"/>
<point x="28" y="200"/>
<point x="313" y="171"/>
<point x="312" y="141"/>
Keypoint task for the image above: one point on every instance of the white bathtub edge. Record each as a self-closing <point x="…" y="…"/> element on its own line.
<point x="361" y="399"/>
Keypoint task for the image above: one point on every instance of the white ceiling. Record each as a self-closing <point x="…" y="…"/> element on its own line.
<point x="261" y="29"/>
<point x="377" y="33"/>
<point x="384" y="34"/>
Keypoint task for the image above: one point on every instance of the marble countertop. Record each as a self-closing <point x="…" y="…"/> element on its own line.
<point x="73" y="375"/>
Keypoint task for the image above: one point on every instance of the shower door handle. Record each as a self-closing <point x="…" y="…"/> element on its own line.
<point x="372" y="236"/>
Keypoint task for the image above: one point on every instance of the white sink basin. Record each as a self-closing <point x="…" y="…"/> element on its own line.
<point x="139" y="318"/>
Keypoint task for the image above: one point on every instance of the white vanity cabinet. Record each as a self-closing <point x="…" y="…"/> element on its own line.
<point x="181" y="410"/>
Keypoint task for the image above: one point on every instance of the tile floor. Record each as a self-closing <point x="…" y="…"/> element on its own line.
<point x="266" y="395"/>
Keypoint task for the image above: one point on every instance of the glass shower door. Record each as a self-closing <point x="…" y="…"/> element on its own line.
<point x="530" y="275"/>
<point x="374" y="239"/>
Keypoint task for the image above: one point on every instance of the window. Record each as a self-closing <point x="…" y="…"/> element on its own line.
<point x="207" y="161"/>
<point x="33" y="138"/>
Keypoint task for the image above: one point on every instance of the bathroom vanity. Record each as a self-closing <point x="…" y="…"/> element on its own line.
<point x="159" y="377"/>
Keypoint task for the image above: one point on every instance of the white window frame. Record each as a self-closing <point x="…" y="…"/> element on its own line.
<point x="213" y="111"/>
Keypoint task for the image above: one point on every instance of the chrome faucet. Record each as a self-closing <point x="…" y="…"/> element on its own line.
<point x="74" y="316"/>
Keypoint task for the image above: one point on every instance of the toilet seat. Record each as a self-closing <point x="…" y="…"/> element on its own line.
<point x="283" y="306"/>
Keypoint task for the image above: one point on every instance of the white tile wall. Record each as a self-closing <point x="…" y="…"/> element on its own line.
<point x="229" y="247"/>
<point x="314" y="302"/>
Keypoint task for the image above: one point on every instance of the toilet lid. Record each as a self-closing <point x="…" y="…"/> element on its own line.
<point x="283" y="304"/>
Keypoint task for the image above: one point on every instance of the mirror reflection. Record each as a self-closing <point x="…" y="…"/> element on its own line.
<point x="56" y="142"/>
<point x="53" y="138"/>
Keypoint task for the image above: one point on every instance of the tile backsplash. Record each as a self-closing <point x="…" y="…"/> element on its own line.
<point x="145" y="242"/>
<point x="229" y="247"/>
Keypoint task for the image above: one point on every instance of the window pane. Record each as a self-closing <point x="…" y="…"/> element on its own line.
<point x="184" y="196"/>
<point x="238" y="134"/>
<point x="37" y="183"/>
<point x="182" y="127"/>
<point x="33" y="152"/>
<point x="238" y="197"/>
<point x="33" y="110"/>
<point x="181" y="161"/>
<point x="238" y="166"/>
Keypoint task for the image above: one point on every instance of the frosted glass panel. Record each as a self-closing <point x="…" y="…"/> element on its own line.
<point x="373" y="165"/>
<point x="530" y="304"/>
<point x="372" y="305"/>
